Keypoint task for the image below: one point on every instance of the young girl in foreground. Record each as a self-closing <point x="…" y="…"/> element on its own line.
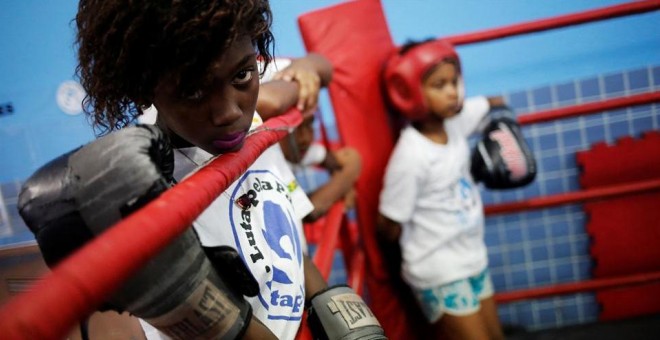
<point x="196" y="63"/>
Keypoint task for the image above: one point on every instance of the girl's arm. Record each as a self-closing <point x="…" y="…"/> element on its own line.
<point x="314" y="281"/>
<point x="276" y="97"/>
<point x="388" y="231"/>
<point x="344" y="166"/>
<point x="311" y="73"/>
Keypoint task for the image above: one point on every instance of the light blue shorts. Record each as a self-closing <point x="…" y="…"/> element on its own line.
<point x="457" y="298"/>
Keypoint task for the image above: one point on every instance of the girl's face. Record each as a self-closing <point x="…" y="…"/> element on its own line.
<point x="440" y="90"/>
<point x="216" y="118"/>
<point x="302" y="136"/>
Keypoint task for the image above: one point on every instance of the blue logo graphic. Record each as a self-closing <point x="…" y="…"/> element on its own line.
<point x="268" y="238"/>
<point x="281" y="229"/>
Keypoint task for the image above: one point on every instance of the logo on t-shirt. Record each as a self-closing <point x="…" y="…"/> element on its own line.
<point x="268" y="240"/>
<point x="464" y="193"/>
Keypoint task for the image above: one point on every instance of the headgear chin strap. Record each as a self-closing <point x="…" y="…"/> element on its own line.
<point x="404" y="74"/>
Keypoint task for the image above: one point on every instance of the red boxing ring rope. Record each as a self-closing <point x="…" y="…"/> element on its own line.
<point x="583" y="109"/>
<point x="353" y="255"/>
<point x="325" y="251"/>
<point x="577" y="287"/>
<point x="610" y="12"/>
<point x="82" y="281"/>
<point x="573" y="197"/>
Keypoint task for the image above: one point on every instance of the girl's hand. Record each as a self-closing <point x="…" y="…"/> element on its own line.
<point x="311" y="72"/>
<point x="309" y="83"/>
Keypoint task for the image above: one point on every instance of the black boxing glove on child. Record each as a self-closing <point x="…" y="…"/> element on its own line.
<point x="80" y="194"/>
<point x="502" y="159"/>
<point x="337" y="313"/>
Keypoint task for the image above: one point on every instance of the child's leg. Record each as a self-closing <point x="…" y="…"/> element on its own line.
<point x="461" y="327"/>
<point x="482" y="285"/>
<point x="489" y="315"/>
<point x="453" y="310"/>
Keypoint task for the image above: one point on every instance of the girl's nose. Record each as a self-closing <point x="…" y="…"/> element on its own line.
<point x="225" y="110"/>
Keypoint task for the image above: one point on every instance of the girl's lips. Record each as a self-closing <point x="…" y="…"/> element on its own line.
<point x="230" y="141"/>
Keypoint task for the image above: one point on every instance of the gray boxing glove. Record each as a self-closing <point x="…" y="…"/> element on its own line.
<point x="337" y="313"/>
<point x="84" y="192"/>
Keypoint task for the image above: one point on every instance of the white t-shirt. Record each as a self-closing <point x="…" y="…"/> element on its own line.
<point x="428" y="189"/>
<point x="268" y="236"/>
<point x="315" y="155"/>
<point x="276" y="65"/>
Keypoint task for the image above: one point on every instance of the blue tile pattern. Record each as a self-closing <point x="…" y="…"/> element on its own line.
<point x="590" y="88"/>
<point x="554" y="247"/>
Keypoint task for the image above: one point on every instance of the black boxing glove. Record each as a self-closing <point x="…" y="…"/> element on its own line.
<point x="337" y="313"/>
<point x="84" y="192"/>
<point x="502" y="159"/>
<point x="228" y="264"/>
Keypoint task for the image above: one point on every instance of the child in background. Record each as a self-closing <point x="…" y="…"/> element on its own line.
<point x="311" y="73"/>
<point x="342" y="164"/>
<point x="429" y="204"/>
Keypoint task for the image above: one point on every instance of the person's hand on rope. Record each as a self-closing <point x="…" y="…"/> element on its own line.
<point x="311" y="73"/>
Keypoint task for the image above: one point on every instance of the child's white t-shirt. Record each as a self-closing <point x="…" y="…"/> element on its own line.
<point x="268" y="236"/>
<point x="428" y="189"/>
<point x="272" y="251"/>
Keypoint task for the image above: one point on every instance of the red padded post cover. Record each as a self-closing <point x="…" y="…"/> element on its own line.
<point x="355" y="38"/>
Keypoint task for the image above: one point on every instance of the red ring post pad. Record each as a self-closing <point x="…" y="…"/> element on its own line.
<point x="355" y="37"/>
<point x="81" y="282"/>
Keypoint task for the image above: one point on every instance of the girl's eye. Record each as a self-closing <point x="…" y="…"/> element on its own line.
<point x="439" y="84"/>
<point x="244" y="76"/>
<point x="196" y="95"/>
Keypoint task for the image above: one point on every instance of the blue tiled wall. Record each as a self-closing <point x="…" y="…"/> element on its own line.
<point x="550" y="246"/>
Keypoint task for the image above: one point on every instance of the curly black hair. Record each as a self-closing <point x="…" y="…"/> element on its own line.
<point x="125" y="47"/>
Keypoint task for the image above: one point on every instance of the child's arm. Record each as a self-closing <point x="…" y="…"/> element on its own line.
<point x="311" y="72"/>
<point x="298" y="84"/>
<point x="330" y="310"/>
<point x="314" y="281"/>
<point x="276" y="97"/>
<point x="496" y="101"/>
<point x="475" y="115"/>
<point x="388" y="233"/>
<point x="344" y="166"/>
<point x="316" y="63"/>
<point x="387" y="230"/>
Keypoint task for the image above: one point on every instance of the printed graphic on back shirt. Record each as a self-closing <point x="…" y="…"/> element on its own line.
<point x="464" y="193"/>
<point x="267" y="238"/>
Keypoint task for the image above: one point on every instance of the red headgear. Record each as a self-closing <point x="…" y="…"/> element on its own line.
<point x="404" y="74"/>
